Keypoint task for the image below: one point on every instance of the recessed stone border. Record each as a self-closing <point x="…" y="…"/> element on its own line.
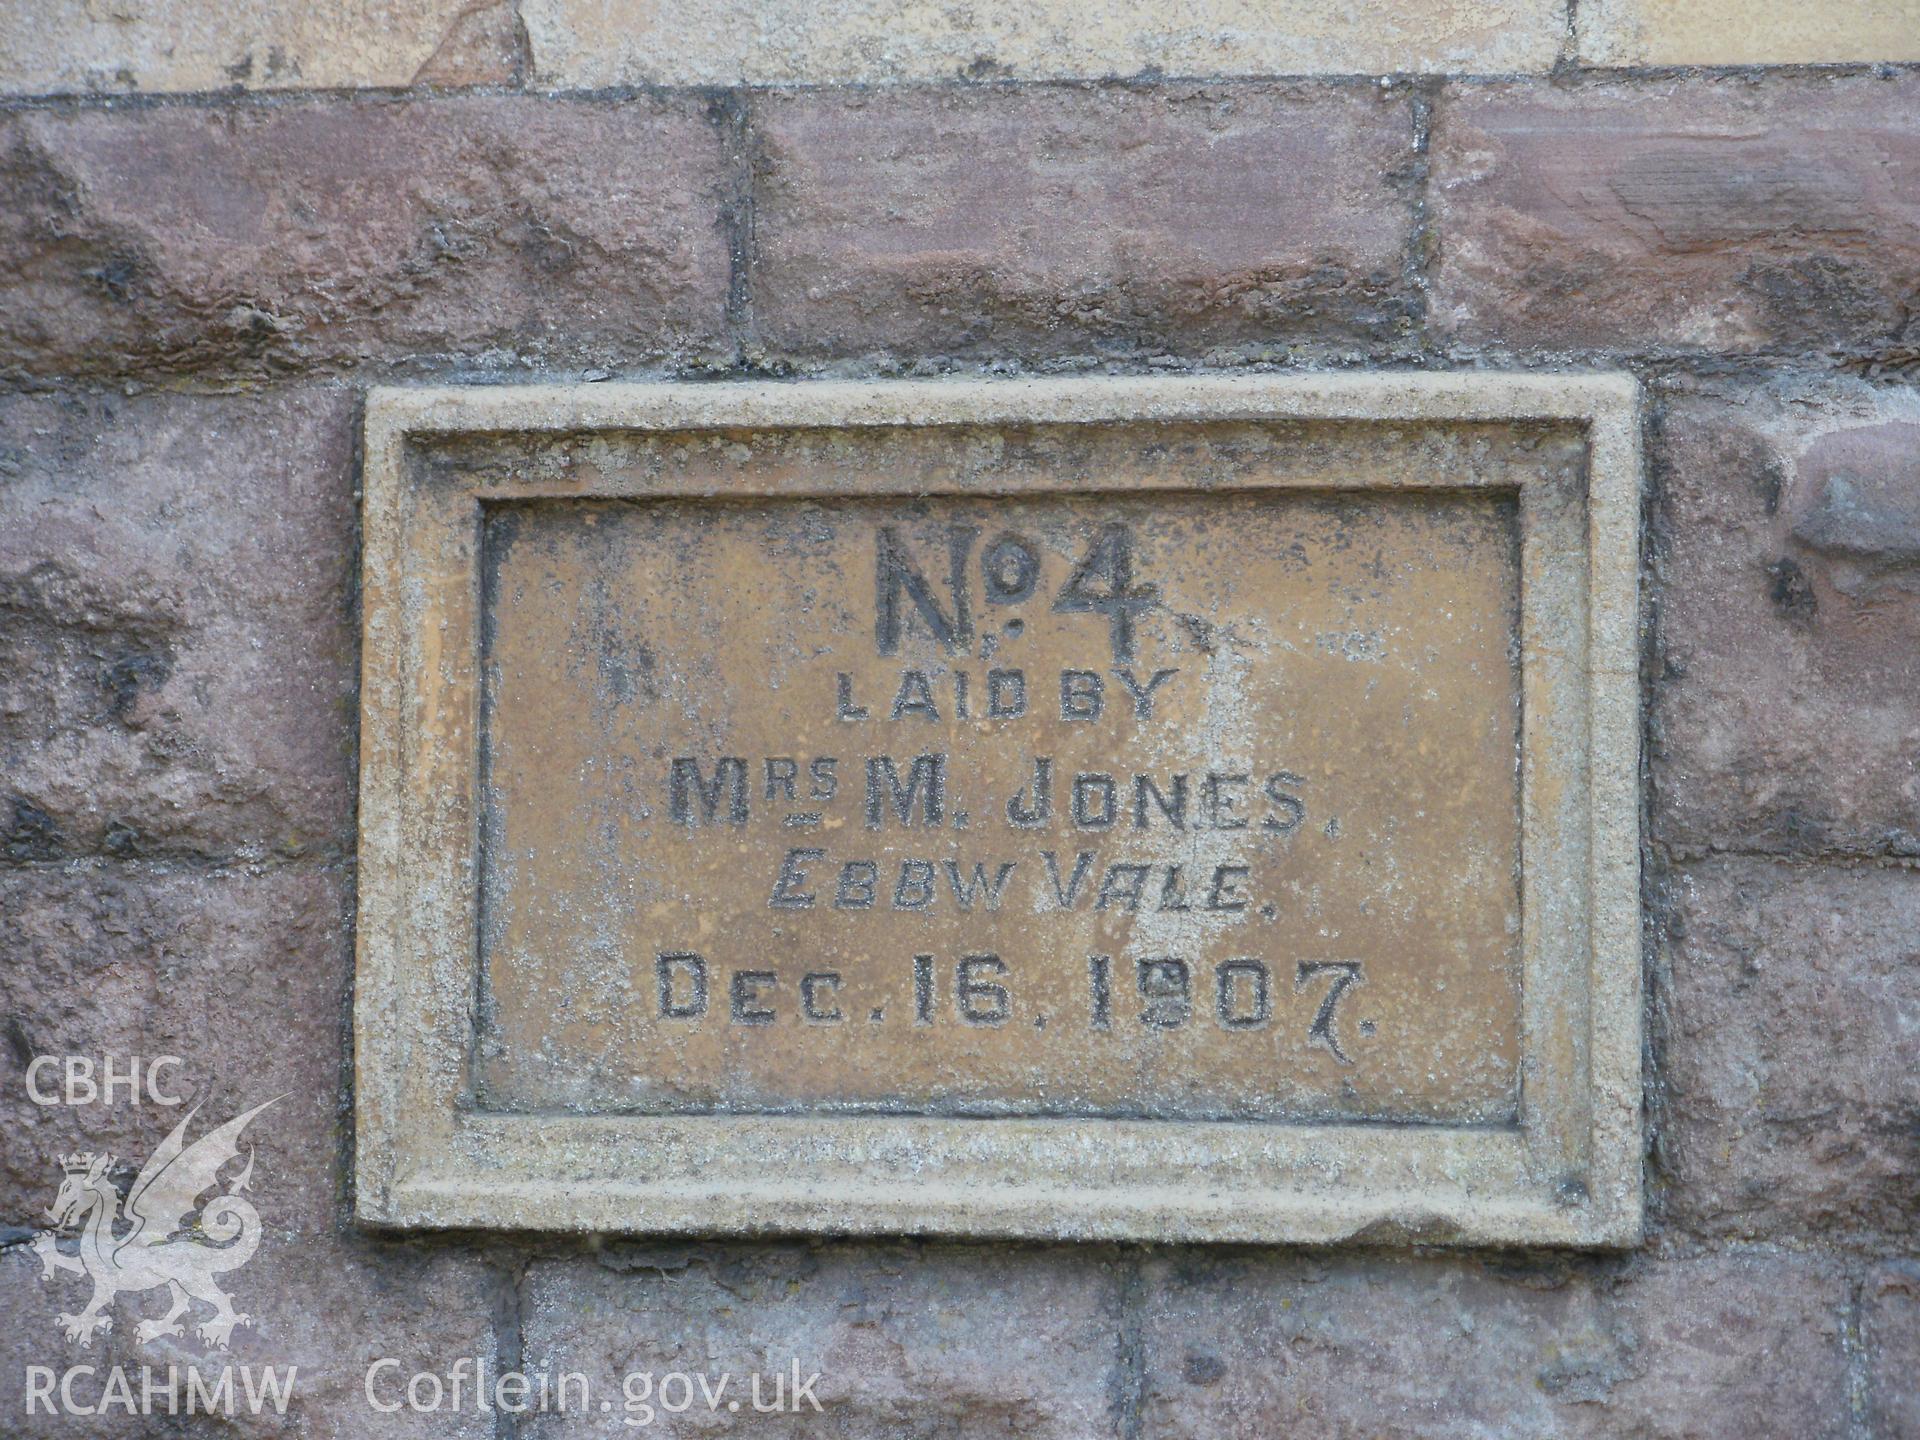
<point x="1567" y="1174"/>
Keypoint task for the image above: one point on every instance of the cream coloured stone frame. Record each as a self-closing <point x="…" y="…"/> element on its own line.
<point x="1568" y="1173"/>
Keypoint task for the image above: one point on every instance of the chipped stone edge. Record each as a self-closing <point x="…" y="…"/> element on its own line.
<point x="425" y="1161"/>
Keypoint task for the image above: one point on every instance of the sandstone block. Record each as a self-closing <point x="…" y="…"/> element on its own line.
<point x="1788" y="1103"/>
<point x="180" y="649"/>
<point x="325" y="1307"/>
<point x="1740" y="32"/>
<point x="1348" y="1347"/>
<point x="1786" y="588"/>
<point x="995" y="223"/>
<point x="732" y="42"/>
<point x="483" y="230"/>
<point x="1731" y="215"/>
<point x="908" y="1340"/>
<point x="243" y="976"/>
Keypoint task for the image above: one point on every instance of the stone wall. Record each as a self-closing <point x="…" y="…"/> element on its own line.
<point x="220" y="222"/>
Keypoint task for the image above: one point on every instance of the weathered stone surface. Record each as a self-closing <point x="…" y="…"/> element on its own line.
<point x="177" y="649"/>
<point x="30" y="1336"/>
<point x="993" y="222"/>
<point x="909" y="1340"/>
<point x="242" y="975"/>
<point x="335" y="1304"/>
<point x="1732" y="215"/>
<point x="732" y="42"/>
<point x="1741" y="32"/>
<point x="1890" y="1322"/>
<point x="177" y="643"/>
<point x="1787" y="594"/>
<point x="1352" y="1347"/>
<point x="497" y="230"/>
<point x="325" y="1306"/>
<point x="1788" y="1102"/>
<point x="52" y="47"/>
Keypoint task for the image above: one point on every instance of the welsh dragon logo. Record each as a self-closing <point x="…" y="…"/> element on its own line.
<point x="160" y="1234"/>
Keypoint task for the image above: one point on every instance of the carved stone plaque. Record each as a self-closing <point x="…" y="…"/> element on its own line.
<point x="1132" y="808"/>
